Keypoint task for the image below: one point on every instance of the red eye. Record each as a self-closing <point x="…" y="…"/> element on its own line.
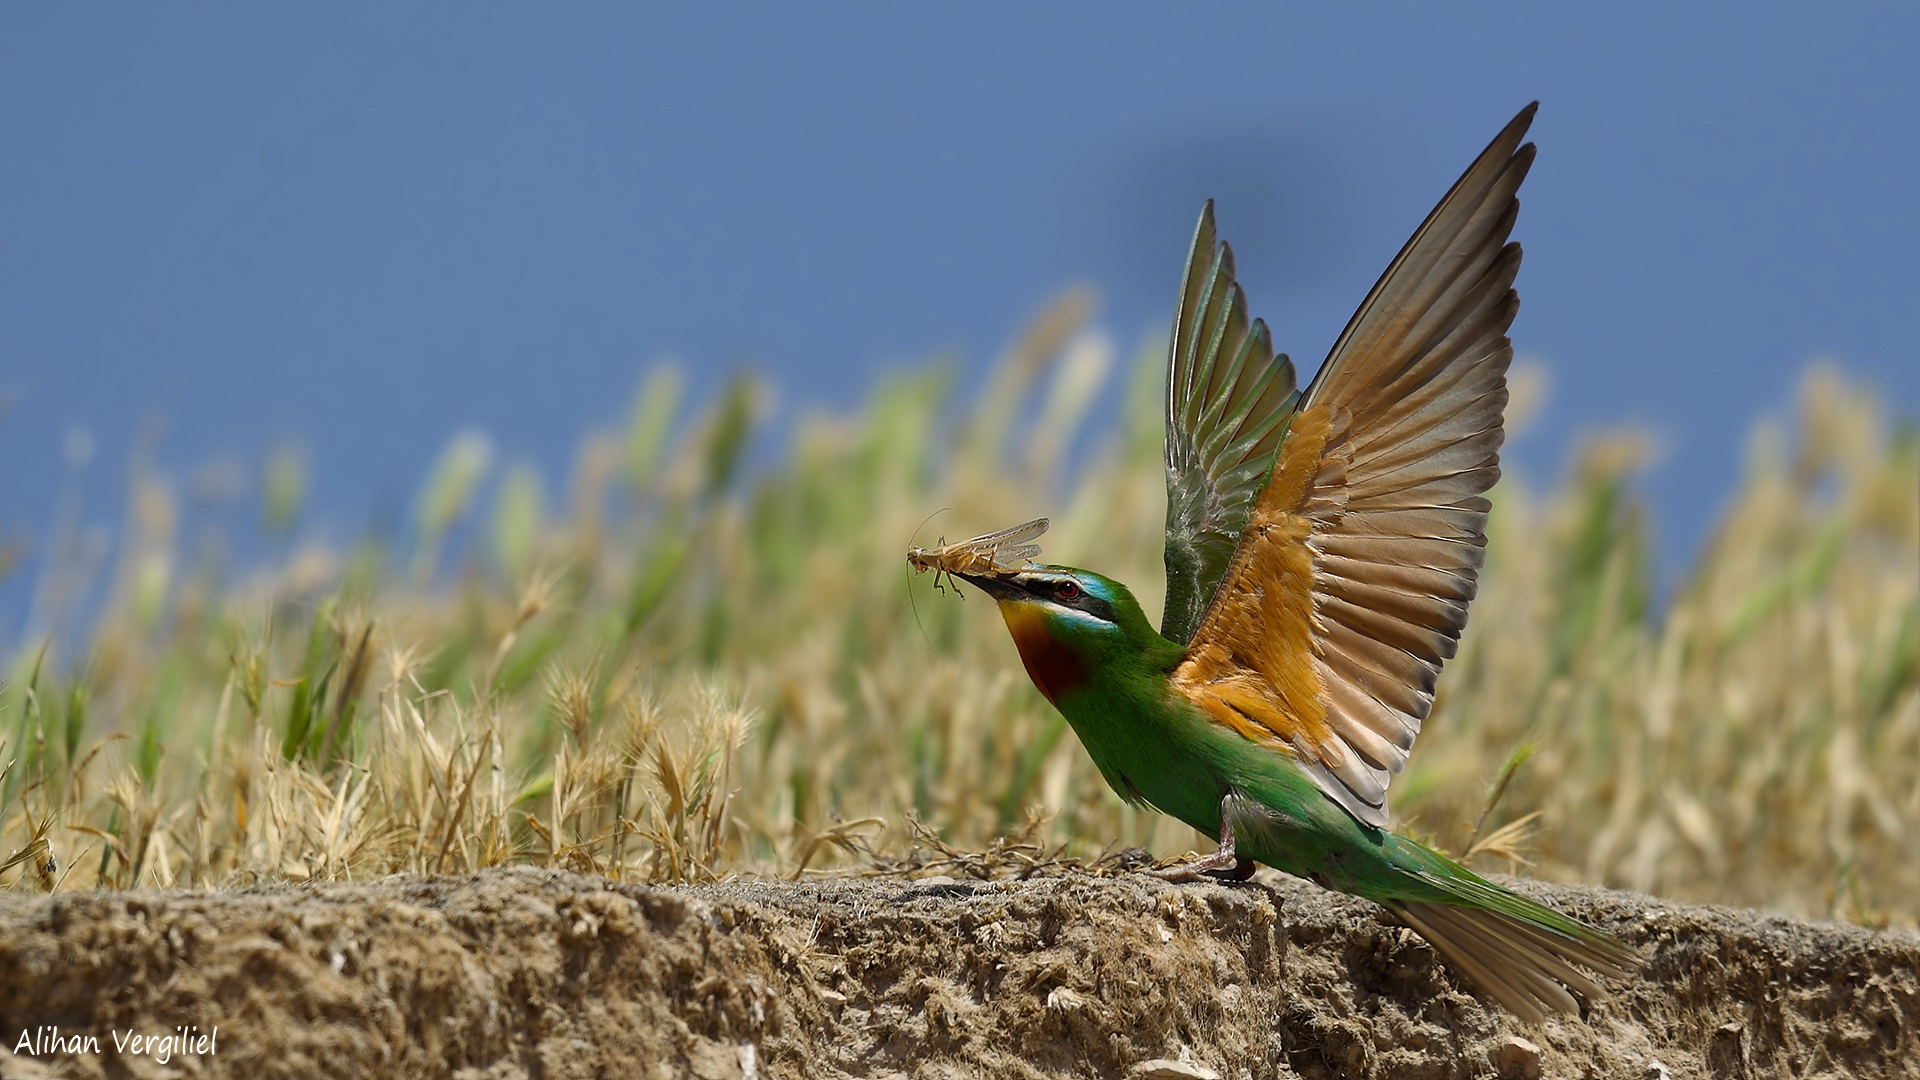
<point x="1066" y="590"/>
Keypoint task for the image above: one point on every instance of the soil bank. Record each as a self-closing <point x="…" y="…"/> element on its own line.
<point x="531" y="973"/>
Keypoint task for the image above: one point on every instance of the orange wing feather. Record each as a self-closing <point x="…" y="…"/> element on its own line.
<point x="1245" y="666"/>
<point x="1350" y="585"/>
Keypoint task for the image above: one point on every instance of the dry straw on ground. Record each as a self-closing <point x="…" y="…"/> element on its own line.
<point x="687" y="672"/>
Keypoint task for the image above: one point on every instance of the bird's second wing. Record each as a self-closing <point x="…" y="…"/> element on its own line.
<point x="1350" y="586"/>
<point x="1228" y="399"/>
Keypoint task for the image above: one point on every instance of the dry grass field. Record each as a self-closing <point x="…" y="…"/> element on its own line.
<point x="686" y="669"/>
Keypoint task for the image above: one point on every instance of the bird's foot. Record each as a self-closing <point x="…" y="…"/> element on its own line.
<point x="1207" y="869"/>
<point x="1222" y="865"/>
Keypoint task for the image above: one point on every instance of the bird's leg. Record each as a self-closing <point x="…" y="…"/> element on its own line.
<point x="1222" y="864"/>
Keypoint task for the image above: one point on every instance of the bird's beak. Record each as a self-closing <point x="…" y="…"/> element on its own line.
<point x="999" y="587"/>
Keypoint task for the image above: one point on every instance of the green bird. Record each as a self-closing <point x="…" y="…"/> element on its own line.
<point x="1321" y="549"/>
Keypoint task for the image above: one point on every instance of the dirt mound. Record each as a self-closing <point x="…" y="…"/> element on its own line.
<point x="523" y="973"/>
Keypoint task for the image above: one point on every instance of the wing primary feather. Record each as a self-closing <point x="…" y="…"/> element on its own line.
<point x="1470" y="382"/>
<point x="1193" y="280"/>
<point x="1479" y="413"/>
<point x="1225" y="412"/>
<point x="1418" y="609"/>
<point x="1422" y="643"/>
<point x="1454" y="289"/>
<point x="1396" y="472"/>
<point x="1456" y="521"/>
<point x="1244" y="427"/>
<point x="1402" y="486"/>
<point x="1397" y="691"/>
<point x="1448" y="217"/>
<point x="1452" y="268"/>
<point x="1442" y="587"/>
<point x="1374" y="814"/>
<point x="1384" y="720"/>
<point x="1473" y="355"/>
<point x="1245" y="473"/>
<point x="1463" y="239"/>
<point x="1427" y="552"/>
<point x="1379" y="753"/>
<point x="1209" y="332"/>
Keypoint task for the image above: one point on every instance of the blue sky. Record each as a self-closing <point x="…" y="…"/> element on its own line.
<point x="367" y="227"/>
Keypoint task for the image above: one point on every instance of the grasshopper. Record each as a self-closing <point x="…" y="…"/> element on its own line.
<point x="1006" y="551"/>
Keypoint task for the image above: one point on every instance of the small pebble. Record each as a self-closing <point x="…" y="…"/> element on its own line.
<point x="1169" y="1069"/>
<point x="1517" y="1059"/>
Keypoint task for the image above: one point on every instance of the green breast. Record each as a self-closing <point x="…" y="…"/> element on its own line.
<point x="1154" y="746"/>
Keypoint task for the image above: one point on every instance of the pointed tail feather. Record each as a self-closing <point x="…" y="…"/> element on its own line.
<point x="1527" y="968"/>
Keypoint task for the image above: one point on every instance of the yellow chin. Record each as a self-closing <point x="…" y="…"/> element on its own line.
<point x="1026" y="621"/>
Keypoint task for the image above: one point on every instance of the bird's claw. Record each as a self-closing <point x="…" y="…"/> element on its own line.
<point x="1222" y="865"/>
<point x="1207" y="870"/>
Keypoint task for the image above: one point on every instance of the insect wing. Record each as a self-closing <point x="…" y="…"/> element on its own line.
<point x="1011" y="549"/>
<point x="1019" y="534"/>
<point x="1015" y="557"/>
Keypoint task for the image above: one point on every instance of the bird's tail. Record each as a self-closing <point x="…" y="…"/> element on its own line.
<point x="1528" y="969"/>
<point x="1518" y="952"/>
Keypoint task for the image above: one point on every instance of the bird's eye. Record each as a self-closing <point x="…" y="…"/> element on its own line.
<point x="1067" y="590"/>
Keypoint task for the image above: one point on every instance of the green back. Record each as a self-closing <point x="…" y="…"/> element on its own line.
<point x="1229" y="397"/>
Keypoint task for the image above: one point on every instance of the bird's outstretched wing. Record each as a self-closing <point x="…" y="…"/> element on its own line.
<point x="1228" y="399"/>
<point x="1350" y="585"/>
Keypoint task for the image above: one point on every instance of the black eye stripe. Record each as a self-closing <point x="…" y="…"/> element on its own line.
<point x="1068" y="593"/>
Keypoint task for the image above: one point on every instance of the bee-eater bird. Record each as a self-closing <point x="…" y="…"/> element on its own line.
<point x="1321" y="550"/>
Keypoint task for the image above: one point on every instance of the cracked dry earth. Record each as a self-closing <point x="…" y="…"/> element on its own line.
<point x="524" y="973"/>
